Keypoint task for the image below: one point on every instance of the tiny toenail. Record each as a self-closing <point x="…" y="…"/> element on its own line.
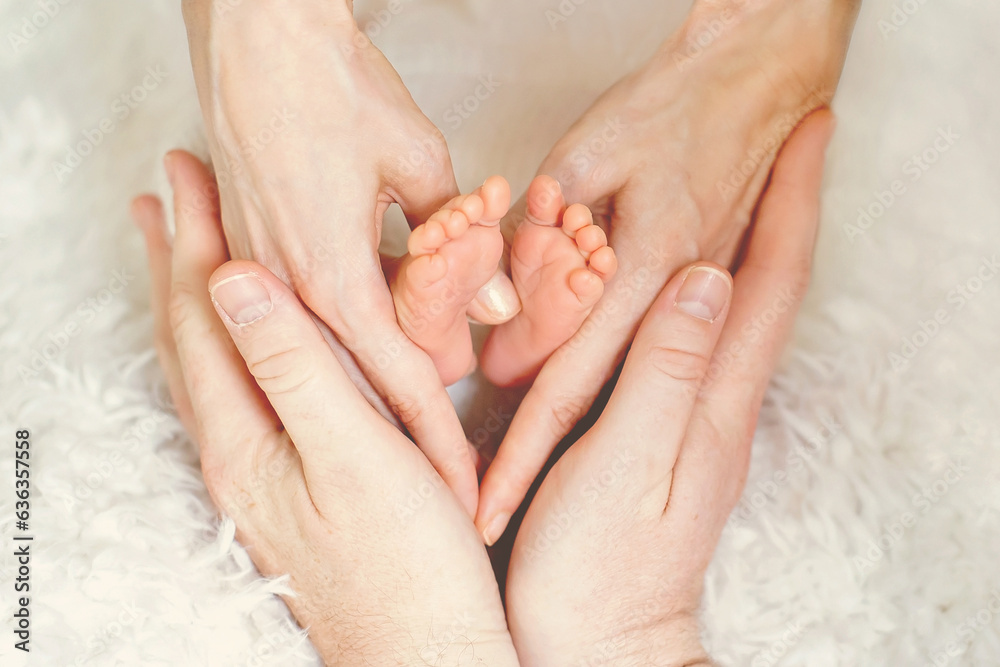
<point x="704" y="293"/>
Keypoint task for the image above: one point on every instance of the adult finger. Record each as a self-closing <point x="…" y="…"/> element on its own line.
<point x="229" y="411"/>
<point x="652" y="402"/>
<point x="422" y="179"/>
<point x="319" y="406"/>
<point x="363" y="317"/>
<point x="564" y="391"/>
<point x="147" y="211"/>
<point x="561" y="395"/>
<point x="496" y="302"/>
<point x="768" y="289"/>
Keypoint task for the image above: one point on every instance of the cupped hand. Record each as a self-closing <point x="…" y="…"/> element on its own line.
<point x="386" y="563"/>
<point x="672" y="160"/>
<point x="313" y="136"/>
<point x="608" y="564"/>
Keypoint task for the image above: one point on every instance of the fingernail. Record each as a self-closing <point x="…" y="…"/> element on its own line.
<point x="499" y="298"/>
<point x="494" y="529"/>
<point x="704" y="293"/>
<point x="244" y="298"/>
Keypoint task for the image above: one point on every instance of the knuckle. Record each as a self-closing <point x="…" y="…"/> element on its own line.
<point x="567" y="412"/>
<point x="579" y="170"/>
<point x="800" y="276"/>
<point x="181" y="307"/>
<point x="426" y="158"/>
<point x="408" y="408"/>
<point x="353" y="283"/>
<point x="436" y="145"/>
<point x="284" y="371"/>
<point x="676" y="363"/>
<point x="242" y="485"/>
<point x="219" y="479"/>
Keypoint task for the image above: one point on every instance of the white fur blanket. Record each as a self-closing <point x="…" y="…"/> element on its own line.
<point x="869" y="532"/>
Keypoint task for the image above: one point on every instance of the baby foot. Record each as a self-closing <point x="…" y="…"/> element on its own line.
<point x="450" y="258"/>
<point x="560" y="261"/>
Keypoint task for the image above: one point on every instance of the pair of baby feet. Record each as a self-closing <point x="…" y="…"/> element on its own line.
<point x="560" y="261"/>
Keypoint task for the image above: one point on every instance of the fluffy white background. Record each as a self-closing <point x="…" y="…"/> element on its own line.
<point x="131" y="566"/>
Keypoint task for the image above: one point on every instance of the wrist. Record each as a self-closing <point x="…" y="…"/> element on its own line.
<point x="334" y="18"/>
<point x="634" y="640"/>
<point x="351" y="636"/>
<point x="787" y="52"/>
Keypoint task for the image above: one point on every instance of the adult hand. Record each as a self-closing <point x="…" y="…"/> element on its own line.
<point x="672" y="160"/>
<point x="610" y="559"/>
<point x="386" y="563"/>
<point x="313" y="136"/>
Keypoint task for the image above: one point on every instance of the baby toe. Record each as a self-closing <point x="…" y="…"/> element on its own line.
<point x="587" y="287"/>
<point x="604" y="262"/>
<point x="495" y="195"/>
<point x="545" y="201"/>
<point x="576" y="218"/>
<point x="590" y="239"/>
<point x="427" y="238"/>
